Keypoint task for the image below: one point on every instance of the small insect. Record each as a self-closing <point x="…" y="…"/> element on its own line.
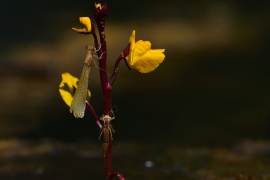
<point x="107" y="132"/>
<point x="107" y="127"/>
<point x="78" y="102"/>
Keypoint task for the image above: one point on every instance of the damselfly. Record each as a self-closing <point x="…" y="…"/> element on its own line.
<point x="78" y="102"/>
<point x="107" y="132"/>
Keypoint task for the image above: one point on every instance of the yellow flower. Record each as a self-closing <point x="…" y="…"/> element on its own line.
<point x="68" y="86"/>
<point x="141" y="57"/>
<point x="86" y="28"/>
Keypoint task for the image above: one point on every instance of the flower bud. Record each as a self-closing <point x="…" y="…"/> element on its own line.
<point x="101" y="10"/>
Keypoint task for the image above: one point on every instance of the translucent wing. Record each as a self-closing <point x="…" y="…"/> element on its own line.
<point x="78" y="102"/>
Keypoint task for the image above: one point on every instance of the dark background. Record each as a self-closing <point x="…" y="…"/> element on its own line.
<point x="212" y="88"/>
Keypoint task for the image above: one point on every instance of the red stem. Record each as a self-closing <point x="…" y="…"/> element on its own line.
<point x="106" y="88"/>
<point x="100" y="14"/>
<point x="116" y="174"/>
<point x="94" y="114"/>
<point x="115" y="70"/>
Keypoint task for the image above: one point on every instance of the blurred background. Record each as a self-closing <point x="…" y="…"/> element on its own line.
<point x="211" y="90"/>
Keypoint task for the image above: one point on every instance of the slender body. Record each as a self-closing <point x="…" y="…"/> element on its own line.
<point x="78" y="102"/>
<point x="106" y="135"/>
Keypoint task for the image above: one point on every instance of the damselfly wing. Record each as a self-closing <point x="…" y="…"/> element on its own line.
<point x="78" y="104"/>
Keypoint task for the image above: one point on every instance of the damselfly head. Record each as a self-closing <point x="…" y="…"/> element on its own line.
<point x="90" y="48"/>
<point x="106" y="118"/>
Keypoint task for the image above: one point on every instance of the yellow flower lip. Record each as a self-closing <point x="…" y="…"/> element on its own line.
<point x="67" y="86"/>
<point x="141" y="57"/>
<point x="86" y="26"/>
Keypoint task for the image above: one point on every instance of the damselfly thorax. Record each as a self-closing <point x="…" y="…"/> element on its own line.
<point x="107" y="127"/>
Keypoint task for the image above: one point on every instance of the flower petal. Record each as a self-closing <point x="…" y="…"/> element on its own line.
<point x="131" y="46"/>
<point x="144" y="58"/>
<point x="66" y="88"/>
<point x="141" y="57"/>
<point x="86" y="28"/>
